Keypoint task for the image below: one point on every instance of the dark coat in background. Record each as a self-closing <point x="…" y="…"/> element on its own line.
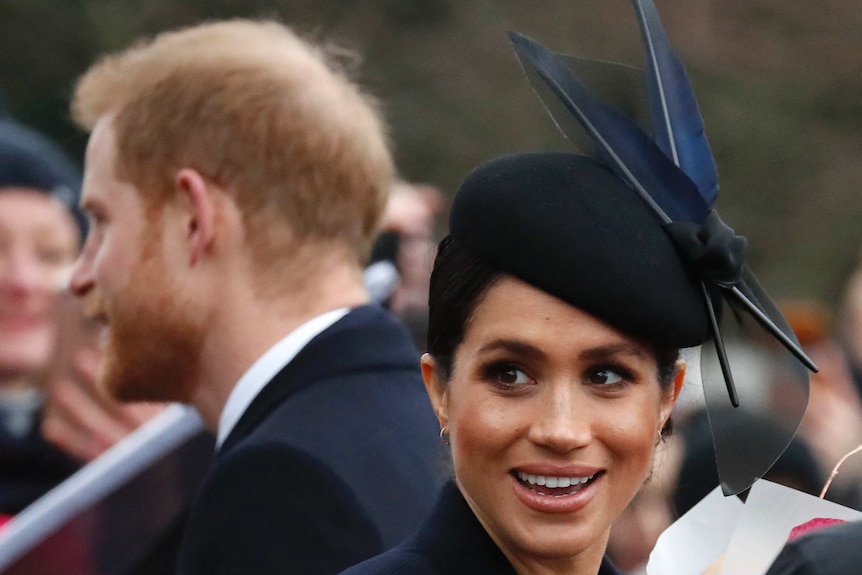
<point x="835" y="550"/>
<point x="450" y="542"/>
<point x="29" y="467"/>
<point x="336" y="460"/>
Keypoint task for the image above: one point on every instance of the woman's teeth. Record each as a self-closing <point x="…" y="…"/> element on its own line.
<point x="552" y="481"/>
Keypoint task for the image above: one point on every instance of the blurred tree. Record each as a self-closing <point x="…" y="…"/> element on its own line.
<point x="779" y="85"/>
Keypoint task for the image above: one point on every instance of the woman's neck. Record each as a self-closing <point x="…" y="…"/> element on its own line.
<point x="16" y="384"/>
<point x="587" y="562"/>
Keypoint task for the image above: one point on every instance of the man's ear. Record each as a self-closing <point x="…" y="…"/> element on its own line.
<point x="199" y="219"/>
<point x="436" y="389"/>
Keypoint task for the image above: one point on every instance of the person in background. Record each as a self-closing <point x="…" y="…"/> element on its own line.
<point x="235" y="178"/>
<point x="40" y="233"/>
<point x="407" y="239"/>
<point x="832" y="550"/>
<point x="832" y="425"/>
<point x="849" y="324"/>
<point x="833" y="420"/>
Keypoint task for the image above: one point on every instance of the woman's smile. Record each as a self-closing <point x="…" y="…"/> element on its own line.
<point x="556" y="493"/>
<point x="552" y="483"/>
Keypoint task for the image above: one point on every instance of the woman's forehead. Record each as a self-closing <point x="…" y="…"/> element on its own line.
<point x="514" y="311"/>
<point x="24" y="209"/>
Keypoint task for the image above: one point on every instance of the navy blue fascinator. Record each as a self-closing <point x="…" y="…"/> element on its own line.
<point x="641" y="195"/>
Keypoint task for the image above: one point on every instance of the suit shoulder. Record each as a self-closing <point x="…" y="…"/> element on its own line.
<point x="386" y="414"/>
<point x="260" y="494"/>
<point x="273" y="473"/>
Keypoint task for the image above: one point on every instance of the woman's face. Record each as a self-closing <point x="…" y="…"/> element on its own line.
<point x="553" y="417"/>
<point x="38" y="241"/>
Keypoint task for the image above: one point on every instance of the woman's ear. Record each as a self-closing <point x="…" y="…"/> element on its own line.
<point x="435" y="388"/>
<point x="669" y="400"/>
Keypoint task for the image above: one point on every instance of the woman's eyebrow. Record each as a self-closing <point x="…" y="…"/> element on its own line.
<point x="513" y="346"/>
<point x="606" y="351"/>
<point x="591" y="354"/>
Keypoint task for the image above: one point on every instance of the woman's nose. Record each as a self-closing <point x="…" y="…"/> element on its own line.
<point x="563" y="422"/>
<point x="23" y="272"/>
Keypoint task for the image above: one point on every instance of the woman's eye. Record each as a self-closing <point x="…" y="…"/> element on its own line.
<point x="604" y="376"/>
<point x="54" y="256"/>
<point x="507" y="375"/>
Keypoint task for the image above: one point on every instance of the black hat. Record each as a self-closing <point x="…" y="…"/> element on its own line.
<point x="629" y="233"/>
<point x="30" y="160"/>
<point x="569" y="226"/>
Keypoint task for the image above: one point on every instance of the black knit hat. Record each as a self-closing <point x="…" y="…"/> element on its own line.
<point x="30" y="160"/>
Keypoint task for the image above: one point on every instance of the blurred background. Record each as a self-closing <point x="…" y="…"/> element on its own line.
<point x="779" y="84"/>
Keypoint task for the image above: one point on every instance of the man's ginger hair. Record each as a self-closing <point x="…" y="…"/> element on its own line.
<point x="261" y="112"/>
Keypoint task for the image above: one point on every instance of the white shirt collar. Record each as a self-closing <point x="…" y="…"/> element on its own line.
<point x="267" y="366"/>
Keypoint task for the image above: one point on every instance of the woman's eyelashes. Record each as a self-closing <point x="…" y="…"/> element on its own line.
<point x="608" y="376"/>
<point x="511" y="376"/>
<point x="54" y="254"/>
<point x="505" y="375"/>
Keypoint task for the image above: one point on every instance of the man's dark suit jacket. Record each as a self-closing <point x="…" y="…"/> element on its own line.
<point x="835" y="550"/>
<point x="450" y="542"/>
<point x="336" y="460"/>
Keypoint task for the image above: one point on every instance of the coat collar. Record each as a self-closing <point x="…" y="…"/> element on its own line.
<point x="457" y="544"/>
<point x="367" y="338"/>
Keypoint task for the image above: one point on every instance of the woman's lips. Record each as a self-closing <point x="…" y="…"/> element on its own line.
<point x="20" y="324"/>
<point x="557" y="492"/>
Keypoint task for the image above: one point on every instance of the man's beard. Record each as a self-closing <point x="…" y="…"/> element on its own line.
<point x="153" y="352"/>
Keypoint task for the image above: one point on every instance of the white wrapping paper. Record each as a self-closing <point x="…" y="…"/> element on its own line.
<point x="698" y="538"/>
<point x="746" y="538"/>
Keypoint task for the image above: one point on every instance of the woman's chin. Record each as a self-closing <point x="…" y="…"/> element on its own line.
<point x="556" y="526"/>
<point x="24" y="361"/>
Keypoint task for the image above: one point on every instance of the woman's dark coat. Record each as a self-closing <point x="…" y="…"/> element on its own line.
<point x="450" y="542"/>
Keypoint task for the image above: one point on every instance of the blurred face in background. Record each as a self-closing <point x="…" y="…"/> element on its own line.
<point x="38" y="242"/>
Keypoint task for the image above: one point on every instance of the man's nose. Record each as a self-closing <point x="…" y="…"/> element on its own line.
<point x="81" y="281"/>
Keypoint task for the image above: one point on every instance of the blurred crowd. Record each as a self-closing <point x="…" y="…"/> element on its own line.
<point x="54" y="417"/>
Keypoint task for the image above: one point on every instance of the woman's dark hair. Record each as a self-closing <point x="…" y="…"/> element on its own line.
<point x="459" y="281"/>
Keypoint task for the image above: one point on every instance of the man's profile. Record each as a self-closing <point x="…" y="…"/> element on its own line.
<point x="234" y="179"/>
